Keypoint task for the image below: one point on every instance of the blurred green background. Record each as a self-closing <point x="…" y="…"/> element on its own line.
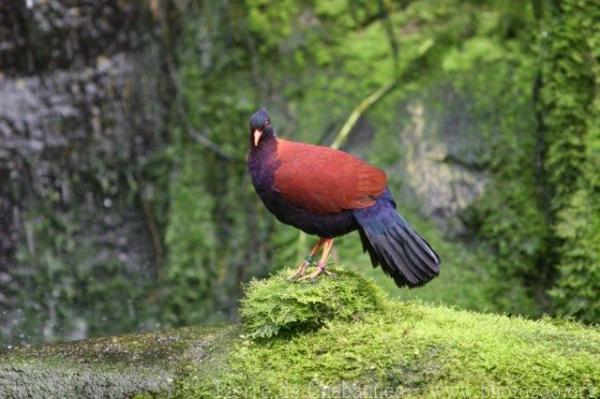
<point x="125" y="204"/>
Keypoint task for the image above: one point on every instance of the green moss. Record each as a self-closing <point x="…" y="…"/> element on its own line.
<point x="392" y="349"/>
<point x="571" y="102"/>
<point x="281" y="306"/>
<point x="408" y="350"/>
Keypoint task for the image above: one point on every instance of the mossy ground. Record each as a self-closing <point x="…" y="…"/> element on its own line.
<point x="286" y="305"/>
<point x="323" y="343"/>
<point x="407" y="350"/>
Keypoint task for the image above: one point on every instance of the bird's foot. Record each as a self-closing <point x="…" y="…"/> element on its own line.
<point x="302" y="268"/>
<point x="321" y="268"/>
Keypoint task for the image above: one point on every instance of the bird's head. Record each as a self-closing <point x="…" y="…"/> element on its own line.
<point x="260" y="127"/>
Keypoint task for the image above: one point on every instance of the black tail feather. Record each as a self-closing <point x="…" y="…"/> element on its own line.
<point x="390" y="241"/>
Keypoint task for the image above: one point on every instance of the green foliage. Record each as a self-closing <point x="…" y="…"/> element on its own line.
<point x="571" y="54"/>
<point x="311" y="63"/>
<point x="473" y="52"/>
<point x="579" y="282"/>
<point x="476" y="92"/>
<point x="188" y="293"/>
<point x="492" y="75"/>
<point x="215" y="237"/>
<point x="408" y="350"/>
<point x="570" y="65"/>
<point x="311" y="68"/>
<point x="507" y="218"/>
<point x="73" y="281"/>
<point x="476" y="101"/>
<point x="278" y="306"/>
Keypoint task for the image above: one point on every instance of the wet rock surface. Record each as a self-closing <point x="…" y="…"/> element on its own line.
<point x="108" y="367"/>
<point x="440" y="164"/>
<point x="79" y="115"/>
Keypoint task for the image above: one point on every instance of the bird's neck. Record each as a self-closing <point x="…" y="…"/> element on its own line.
<point x="264" y="151"/>
<point x="262" y="162"/>
<point x="267" y="144"/>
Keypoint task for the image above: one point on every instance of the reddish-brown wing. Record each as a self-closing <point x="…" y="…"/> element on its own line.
<point x="324" y="180"/>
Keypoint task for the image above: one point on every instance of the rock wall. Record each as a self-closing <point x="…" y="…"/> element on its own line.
<point x="80" y="113"/>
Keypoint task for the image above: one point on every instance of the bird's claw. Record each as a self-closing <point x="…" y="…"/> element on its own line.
<point x="320" y="270"/>
<point x="300" y="271"/>
<point x="297" y="275"/>
<point x="308" y="261"/>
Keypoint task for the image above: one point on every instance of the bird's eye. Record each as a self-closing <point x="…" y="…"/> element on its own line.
<point x="268" y="124"/>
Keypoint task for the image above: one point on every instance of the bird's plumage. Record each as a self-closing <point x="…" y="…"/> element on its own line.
<point x="323" y="180"/>
<point x="263" y="163"/>
<point x="330" y="193"/>
<point x="390" y="241"/>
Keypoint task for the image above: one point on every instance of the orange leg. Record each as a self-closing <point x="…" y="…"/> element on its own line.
<point x="327" y="246"/>
<point x="309" y="258"/>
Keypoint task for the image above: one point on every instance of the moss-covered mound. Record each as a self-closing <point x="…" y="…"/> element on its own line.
<point x="282" y="305"/>
<point x="411" y="351"/>
<point x="398" y="350"/>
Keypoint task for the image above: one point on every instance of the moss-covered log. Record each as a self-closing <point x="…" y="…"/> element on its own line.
<point x="109" y="367"/>
<point x="355" y="344"/>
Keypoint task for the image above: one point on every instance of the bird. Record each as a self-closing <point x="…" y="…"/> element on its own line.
<point x="330" y="193"/>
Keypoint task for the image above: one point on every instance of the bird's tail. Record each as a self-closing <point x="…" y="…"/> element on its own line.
<point x="392" y="243"/>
